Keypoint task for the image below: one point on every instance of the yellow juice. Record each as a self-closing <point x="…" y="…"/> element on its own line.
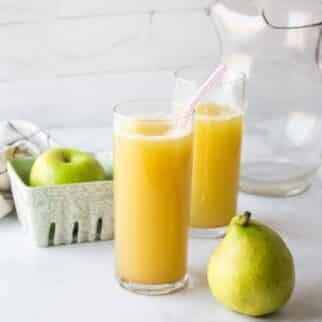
<point x="152" y="187"/>
<point x="215" y="176"/>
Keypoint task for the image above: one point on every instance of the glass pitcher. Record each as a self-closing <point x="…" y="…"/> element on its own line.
<point x="276" y="43"/>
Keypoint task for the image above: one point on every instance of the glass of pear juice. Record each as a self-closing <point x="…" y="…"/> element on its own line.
<point x="152" y="188"/>
<point x="218" y="127"/>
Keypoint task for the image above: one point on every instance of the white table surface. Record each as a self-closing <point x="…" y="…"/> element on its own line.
<point x="76" y="283"/>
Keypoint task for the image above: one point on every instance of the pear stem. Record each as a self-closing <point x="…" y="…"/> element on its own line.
<point x="247" y="215"/>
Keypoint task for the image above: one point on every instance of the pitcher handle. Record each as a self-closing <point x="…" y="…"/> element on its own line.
<point x="268" y="23"/>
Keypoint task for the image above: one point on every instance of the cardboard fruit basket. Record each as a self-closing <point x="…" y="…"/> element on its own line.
<point x="63" y="214"/>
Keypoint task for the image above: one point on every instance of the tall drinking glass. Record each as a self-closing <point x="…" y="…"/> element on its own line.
<point x="217" y="145"/>
<point x="152" y="185"/>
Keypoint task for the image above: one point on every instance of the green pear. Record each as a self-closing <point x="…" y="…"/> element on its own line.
<point x="252" y="270"/>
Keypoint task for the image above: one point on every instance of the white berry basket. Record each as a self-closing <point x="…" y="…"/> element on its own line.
<point x="63" y="214"/>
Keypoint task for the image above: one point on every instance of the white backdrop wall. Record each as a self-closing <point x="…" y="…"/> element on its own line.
<point x="65" y="63"/>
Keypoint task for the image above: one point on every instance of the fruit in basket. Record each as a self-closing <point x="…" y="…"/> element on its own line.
<point x="63" y="165"/>
<point x="252" y="270"/>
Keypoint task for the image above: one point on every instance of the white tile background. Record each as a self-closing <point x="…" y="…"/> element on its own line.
<point x="64" y="63"/>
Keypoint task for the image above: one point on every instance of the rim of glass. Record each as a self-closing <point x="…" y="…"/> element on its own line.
<point x="148" y="117"/>
<point x="236" y="76"/>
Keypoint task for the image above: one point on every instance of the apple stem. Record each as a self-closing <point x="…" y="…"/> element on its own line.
<point x="247" y="215"/>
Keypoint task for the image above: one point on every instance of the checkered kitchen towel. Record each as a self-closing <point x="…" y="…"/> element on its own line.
<point x="18" y="139"/>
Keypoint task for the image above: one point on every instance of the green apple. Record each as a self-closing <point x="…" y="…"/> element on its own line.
<point x="63" y="165"/>
<point x="252" y="270"/>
